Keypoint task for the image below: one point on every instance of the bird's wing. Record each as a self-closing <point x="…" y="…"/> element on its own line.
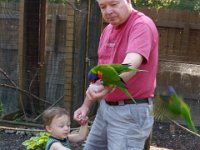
<point x="110" y="76"/>
<point x="162" y="108"/>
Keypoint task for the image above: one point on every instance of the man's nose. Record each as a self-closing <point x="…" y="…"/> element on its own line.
<point x="108" y="10"/>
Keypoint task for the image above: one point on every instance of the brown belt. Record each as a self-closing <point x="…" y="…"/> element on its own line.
<point x="128" y="101"/>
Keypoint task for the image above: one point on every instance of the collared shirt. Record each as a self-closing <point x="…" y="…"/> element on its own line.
<point x="138" y="34"/>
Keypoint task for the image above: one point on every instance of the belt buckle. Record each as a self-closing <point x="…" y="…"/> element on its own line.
<point x="121" y="103"/>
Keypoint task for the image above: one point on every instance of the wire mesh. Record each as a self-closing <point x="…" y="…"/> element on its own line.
<point x="31" y="66"/>
<point x="9" y="27"/>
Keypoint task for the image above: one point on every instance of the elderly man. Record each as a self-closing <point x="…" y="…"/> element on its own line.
<point x="130" y="38"/>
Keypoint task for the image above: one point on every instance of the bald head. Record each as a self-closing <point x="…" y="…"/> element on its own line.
<point x="115" y="12"/>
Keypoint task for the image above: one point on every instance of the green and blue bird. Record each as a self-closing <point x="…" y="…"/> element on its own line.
<point x="110" y="75"/>
<point x="173" y="107"/>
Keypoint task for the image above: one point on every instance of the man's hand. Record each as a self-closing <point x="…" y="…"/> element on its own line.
<point x="97" y="92"/>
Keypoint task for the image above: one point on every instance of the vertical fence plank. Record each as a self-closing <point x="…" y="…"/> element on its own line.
<point x="21" y="49"/>
<point x="42" y="49"/>
<point x="80" y="37"/>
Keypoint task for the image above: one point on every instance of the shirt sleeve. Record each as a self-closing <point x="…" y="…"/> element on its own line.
<point x="140" y="40"/>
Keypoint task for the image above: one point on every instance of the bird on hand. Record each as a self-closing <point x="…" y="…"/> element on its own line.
<point x="110" y="75"/>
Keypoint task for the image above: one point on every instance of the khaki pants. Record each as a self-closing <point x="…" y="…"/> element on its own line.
<point x="120" y="127"/>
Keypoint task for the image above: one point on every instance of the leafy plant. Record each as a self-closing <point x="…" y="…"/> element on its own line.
<point x="51" y="1"/>
<point x="37" y="142"/>
<point x="174" y="4"/>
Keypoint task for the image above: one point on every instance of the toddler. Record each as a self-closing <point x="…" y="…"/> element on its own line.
<point x="57" y="124"/>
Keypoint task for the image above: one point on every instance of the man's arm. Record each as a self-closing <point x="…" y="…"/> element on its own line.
<point x="80" y="115"/>
<point x="135" y="60"/>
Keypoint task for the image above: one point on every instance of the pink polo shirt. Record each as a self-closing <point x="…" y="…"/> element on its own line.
<point x="139" y="35"/>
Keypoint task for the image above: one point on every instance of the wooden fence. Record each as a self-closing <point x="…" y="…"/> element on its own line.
<point x="71" y="49"/>
<point x="9" y="19"/>
<point x="58" y="61"/>
<point x="179" y="54"/>
<point x="179" y="34"/>
<point x="179" y="50"/>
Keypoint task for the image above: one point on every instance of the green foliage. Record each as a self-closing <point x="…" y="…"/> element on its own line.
<point x="58" y="1"/>
<point x="37" y="142"/>
<point x="174" y="4"/>
<point x="50" y="1"/>
<point x="154" y="3"/>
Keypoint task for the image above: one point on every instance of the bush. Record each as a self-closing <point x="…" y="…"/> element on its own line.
<point x="172" y="4"/>
<point x="37" y="142"/>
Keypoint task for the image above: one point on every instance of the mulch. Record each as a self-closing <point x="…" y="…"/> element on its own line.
<point x="165" y="136"/>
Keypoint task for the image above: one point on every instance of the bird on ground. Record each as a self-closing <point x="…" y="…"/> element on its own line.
<point x="110" y="75"/>
<point x="173" y="107"/>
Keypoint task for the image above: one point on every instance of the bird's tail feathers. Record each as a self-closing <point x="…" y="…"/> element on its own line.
<point x="128" y="94"/>
<point x="133" y="69"/>
<point x="123" y="83"/>
<point x="189" y="121"/>
<point x="137" y="70"/>
<point x="123" y="87"/>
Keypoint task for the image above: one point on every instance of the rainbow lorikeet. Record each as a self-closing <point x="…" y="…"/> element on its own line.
<point x="173" y="107"/>
<point x="110" y="75"/>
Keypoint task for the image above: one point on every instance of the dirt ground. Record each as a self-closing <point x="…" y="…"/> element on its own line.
<point x="165" y="137"/>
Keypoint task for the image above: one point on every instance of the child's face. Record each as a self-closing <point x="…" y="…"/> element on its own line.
<point x="59" y="127"/>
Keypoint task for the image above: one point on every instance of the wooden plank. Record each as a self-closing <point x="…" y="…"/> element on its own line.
<point x="94" y="32"/>
<point x="162" y="14"/>
<point x="69" y="52"/>
<point x="185" y="39"/>
<point x="21" y="51"/>
<point x="194" y="44"/>
<point x="42" y="48"/>
<point x="170" y="41"/>
<point x="31" y="51"/>
<point x="53" y="32"/>
<point x="177" y="41"/>
<point x="80" y="37"/>
<point x="169" y="24"/>
<point x="162" y="41"/>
